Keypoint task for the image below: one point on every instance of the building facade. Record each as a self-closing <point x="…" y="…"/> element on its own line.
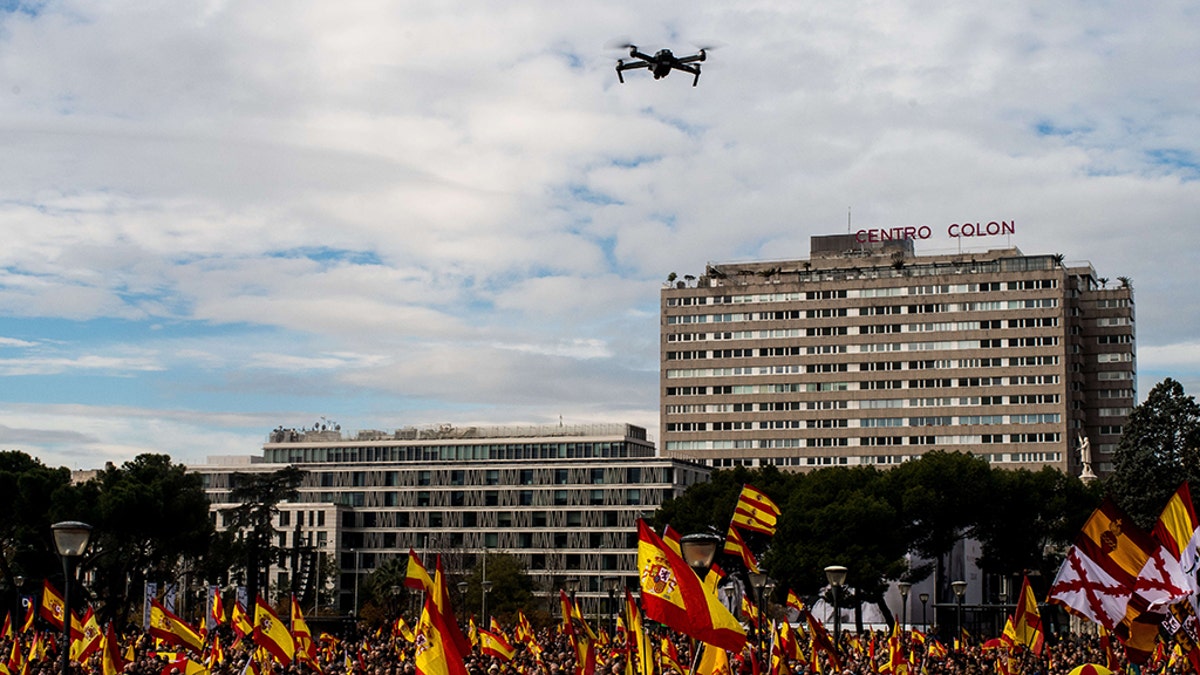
<point x="868" y="354"/>
<point x="563" y="499"/>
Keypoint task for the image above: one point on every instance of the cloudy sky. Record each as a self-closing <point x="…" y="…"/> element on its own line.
<point x="223" y="217"/>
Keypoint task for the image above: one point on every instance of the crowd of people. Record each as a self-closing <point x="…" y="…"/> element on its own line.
<point x="552" y="651"/>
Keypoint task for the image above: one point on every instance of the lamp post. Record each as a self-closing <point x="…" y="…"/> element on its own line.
<point x="395" y="599"/>
<point x="354" y="609"/>
<point x="610" y="584"/>
<point x="960" y="589"/>
<point x="1003" y="606"/>
<point x="572" y="585"/>
<point x="487" y="588"/>
<point x="904" y="587"/>
<point x="71" y="538"/>
<point x="462" y="593"/>
<point x="924" y="598"/>
<point x="836" y="575"/>
<point x="18" y="590"/>
<point x="758" y="581"/>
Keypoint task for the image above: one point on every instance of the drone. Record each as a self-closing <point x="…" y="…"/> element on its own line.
<point x="661" y="63"/>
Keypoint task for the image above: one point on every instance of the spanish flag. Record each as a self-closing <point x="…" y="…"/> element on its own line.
<point x="436" y="652"/>
<point x="643" y="663"/>
<point x="672" y="594"/>
<point x="417" y="577"/>
<point x="54" y="608"/>
<point x="241" y="621"/>
<point x="89" y="641"/>
<point x="271" y="634"/>
<point x="171" y="629"/>
<point x="495" y="644"/>
<point x="111" y="663"/>
<point x="1027" y="620"/>
<point x="216" y="608"/>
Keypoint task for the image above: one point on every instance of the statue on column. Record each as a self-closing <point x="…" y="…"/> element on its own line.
<point x="1085" y="456"/>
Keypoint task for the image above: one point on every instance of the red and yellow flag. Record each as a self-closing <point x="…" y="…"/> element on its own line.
<point x="736" y="546"/>
<point x="672" y="594"/>
<point x="495" y="644"/>
<point x="755" y="511"/>
<point x="306" y="647"/>
<point x="111" y="661"/>
<point x="171" y="629"/>
<point x="271" y="634"/>
<point x="89" y="639"/>
<point x="54" y="608"/>
<point x="216" y="608"/>
<point x="1027" y="620"/>
<point x="436" y="652"/>
<point x="417" y="577"/>
<point x="241" y="621"/>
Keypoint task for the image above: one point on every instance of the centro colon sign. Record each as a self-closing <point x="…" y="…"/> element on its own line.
<point x="954" y="231"/>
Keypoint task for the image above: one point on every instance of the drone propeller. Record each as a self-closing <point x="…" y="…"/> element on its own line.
<point x="620" y="43"/>
<point x="708" y="45"/>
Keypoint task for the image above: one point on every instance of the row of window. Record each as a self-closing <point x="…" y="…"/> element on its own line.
<point x="870" y="366"/>
<point x="874" y="422"/>
<point x="780" y="443"/>
<point x="986" y="287"/>
<point x="876" y="403"/>
<point x="488" y="498"/>
<point x="860" y="460"/>
<point x="794" y="314"/>
<point x="870" y="385"/>
<point x="456" y="452"/>
<point x="864" y="386"/>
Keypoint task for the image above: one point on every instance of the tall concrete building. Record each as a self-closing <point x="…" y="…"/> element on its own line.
<point x="563" y="499"/>
<point x="869" y="354"/>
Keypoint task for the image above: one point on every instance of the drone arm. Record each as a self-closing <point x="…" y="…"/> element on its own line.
<point x="634" y="53"/>
<point x="694" y="70"/>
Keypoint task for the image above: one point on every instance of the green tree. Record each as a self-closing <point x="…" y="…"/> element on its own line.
<point x="840" y="516"/>
<point x="1159" y="449"/>
<point x="32" y="497"/>
<point x="382" y="592"/>
<point x="512" y="588"/>
<point x="259" y="496"/>
<point x="151" y="516"/>
<point x="942" y="497"/>
<point x="1029" y="513"/>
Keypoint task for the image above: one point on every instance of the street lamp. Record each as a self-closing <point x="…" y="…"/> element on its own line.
<point x="572" y="584"/>
<point x="487" y="588"/>
<point x="960" y="589"/>
<point x="758" y="581"/>
<point x="904" y="587"/>
<point x="698" y="550"/>
<point x="836" y="575"/>
<point x="354" y="609"/>
<point x="71" y="538"/>
<point x="610" y="585"/>
<point x="924" y="598"/>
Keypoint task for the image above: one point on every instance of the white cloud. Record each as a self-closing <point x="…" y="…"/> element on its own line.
<point x="455" y="208"/>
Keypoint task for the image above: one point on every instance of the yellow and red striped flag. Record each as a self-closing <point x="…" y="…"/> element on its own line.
<point x="755" y="511"/>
